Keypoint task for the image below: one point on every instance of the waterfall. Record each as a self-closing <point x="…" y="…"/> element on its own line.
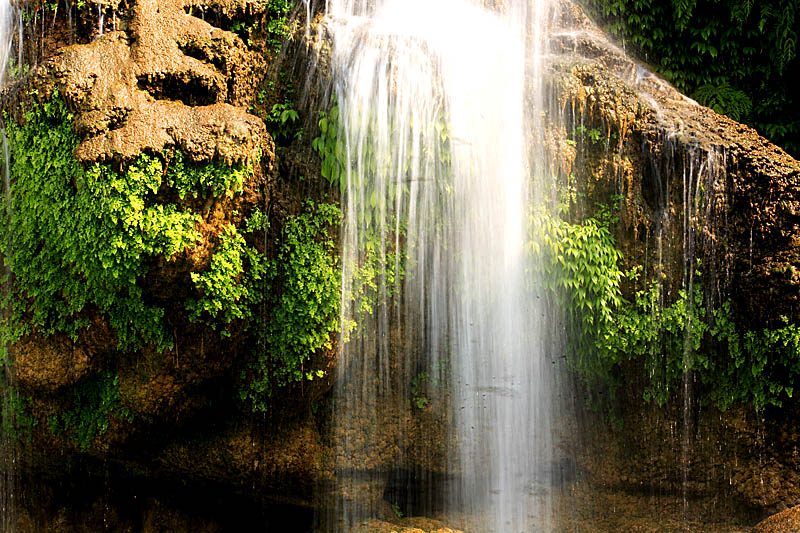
<point x="7" y="445"/>
<point x="437" y="111"/>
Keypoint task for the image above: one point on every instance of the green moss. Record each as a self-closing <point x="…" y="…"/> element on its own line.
<point x="79" y="239"/>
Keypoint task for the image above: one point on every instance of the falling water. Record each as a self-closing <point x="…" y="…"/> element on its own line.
<point x="435" y="109"/>
<point x="7" y="15"/>
<point x="101" y="15"/>
<point x="7" y="445"/>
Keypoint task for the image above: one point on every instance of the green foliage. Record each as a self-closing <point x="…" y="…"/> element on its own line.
<point x="423" y="384"/>
<point x="594" y="135"/>
<point x="378" y="270"/>
<point x="666" y="338"/>
<point x="281" y="121"/>
<point x="244" y="30"/>
<point x="78" y="239"/>
<point x="730" y="55"/>
<point x="757" y="368"/>
<point x="418" y="397"/>
<point x="18" y="421"/>
<point x="330" y="148"/>
<point x="761" y="367"/>
<point x="278" y="26"/>
<point x="579" y="263"/>
<point x="203" y="179"/>
<point x="396" y="510"/>
<point x="232" y="286"/>
<point x="724" y="99"/>
<point x="304" y="304"/>
<point x="95" y="400"/>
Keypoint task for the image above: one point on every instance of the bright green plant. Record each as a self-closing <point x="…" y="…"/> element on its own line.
<point x="580" y="262"/>
<point x="761" y="367"/>
<point x="377" y="272"/>
<point x="418" y="397"/>
<point x="333" y="151"/>
<point x="78" y="239"/>
<point x="231" y="287"/>
<point x="278" y="27"/>
<point x="595" y="135"/>
<point x="303" y="306"/>
<point x="281" y="121"/>
<point x="398" y="513"/>
<point x="668" y="339"/>
<point x="203" y="180"/>
<point x="331" y="148"/>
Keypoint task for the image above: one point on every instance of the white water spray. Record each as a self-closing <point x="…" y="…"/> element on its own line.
<point x="434" y="112"/>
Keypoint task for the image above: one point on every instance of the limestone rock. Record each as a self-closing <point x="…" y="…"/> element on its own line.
<point x="49" y="364"/>
<point x="787" y="521"/>
<point x="749" y="239"/>
<point x="170" y="80"/>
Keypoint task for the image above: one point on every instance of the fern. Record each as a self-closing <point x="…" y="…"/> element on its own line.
<point x="683" y="12"/>
<point x="740" y="11"/>
<point x="724" y="99"/>
<point x="787" y="37"/>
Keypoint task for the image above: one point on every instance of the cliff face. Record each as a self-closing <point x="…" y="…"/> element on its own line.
<point x="156" y="105"/>
<point x="702" y="200"/>
<point x="202" y="90"/>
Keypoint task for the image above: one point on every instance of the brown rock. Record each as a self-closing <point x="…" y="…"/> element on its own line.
<point x="405" y="525"/>
<point x="145" y="90"/>
<point x="787" y="521"/>
<point x="52" y="363"/>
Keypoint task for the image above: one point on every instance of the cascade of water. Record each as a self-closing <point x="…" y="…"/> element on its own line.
<point x="435" y="104"/>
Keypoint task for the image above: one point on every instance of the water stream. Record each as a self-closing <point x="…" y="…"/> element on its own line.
<point x="434" y="109"/>
<point x="7" y="444"/>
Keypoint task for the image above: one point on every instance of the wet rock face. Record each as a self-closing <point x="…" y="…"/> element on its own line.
<point x="169" y="79"/>
<point x="693" y="184"/>
<point x="407" y="525"/>
<point x="166" y="81"/>
<point x="744" y="198"/>
<point x="52" y="364"/>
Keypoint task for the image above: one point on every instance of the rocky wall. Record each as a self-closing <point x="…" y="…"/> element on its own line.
<point x="164" y="78"/>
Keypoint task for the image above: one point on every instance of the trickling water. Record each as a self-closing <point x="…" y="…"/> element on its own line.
<point x="435" y="107"/>
<point x="7" y="444"/>
<point x="6" y="38"/>
<point x="101" y="15"/>
<point x="7" y="14"/>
